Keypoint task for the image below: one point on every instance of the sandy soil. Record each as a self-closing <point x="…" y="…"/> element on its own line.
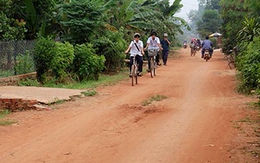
<point x="193" y="125"/>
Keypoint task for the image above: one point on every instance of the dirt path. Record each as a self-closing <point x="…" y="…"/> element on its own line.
<point x="193" y="125"/>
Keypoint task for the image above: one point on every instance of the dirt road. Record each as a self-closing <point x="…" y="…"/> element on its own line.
<point x="193" y="125"/>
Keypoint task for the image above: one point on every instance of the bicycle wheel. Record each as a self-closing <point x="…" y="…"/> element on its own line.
<point x="136" y="75"/>
<point x="152" y="67"/>
<point x="155" y="66"/>
<point x="154" y="71"/>
<point x="133" y="74"/>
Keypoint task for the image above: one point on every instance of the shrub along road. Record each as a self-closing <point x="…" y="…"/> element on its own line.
<point x="193" y="124"/>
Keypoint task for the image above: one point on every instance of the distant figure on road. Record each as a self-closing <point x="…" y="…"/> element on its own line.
<point x="207" y="45"/>
<point x="192" y="47"/>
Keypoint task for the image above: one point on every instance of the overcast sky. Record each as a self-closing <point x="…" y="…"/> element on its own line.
<point x="187" y="6"/>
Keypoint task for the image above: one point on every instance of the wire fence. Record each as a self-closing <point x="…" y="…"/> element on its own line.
<point x="16" y="57"/>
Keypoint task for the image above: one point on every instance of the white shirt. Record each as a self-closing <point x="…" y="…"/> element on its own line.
<point x="134" y="49"/>
<point x="153" y="44"/>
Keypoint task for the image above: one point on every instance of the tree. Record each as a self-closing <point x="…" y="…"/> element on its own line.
<point x="207" y="18"/>
<point x="232" y="12"/>
<point x="82" y="20"/>
<point x="210" y="23"/>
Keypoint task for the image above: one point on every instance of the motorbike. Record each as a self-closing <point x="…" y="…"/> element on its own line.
<point x="206" y="55"/>
<point x="184" y="46"/>
<point x="198" y="48"/>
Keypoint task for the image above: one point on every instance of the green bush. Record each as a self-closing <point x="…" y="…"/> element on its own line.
<point x="249" y="67"/>
<point x="87" y="64"/>
<point x="43" y="56"/>
<point x="24" y="63"/>
<point x="63" y="57"/>
<point x="214" y="42"/>
<point x="112" y="45"/>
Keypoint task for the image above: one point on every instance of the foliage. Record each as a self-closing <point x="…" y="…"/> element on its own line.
<point x="63" y="55"/>
<point x="11" y="29"/>
<point x="87" y="65"/>
<point x="112" y="46"/>
<point x="209" y="23"/>
<point x="35" y="13"/>
<point x="24" y="63"/>
<point x="89" y="93"/>
<point x="144" y="16"/>
<point x="28" y="82"/>
<point x="207" y="18"/>
<point x="6" y="73"/>
<point x="232" y="11"/>
<point x="249" y="66"/>
<point x="43" y="57"/>
<point x="83" y="18"/>
<point x="3" y="121"/>
<point x="251" y="29"/>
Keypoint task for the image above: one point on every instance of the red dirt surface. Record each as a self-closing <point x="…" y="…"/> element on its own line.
<point x="193" y="125"/>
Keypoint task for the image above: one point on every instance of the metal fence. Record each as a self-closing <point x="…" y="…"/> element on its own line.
<point x="9" y="51"/>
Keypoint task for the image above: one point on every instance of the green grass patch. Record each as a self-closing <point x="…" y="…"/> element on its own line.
<point x="104" y="80"/>
<point x="89" y="93"/>
<point x="7" y="122"/>
<point x="57" y="101"/>
<point x="4" y="113"/>
<point x="6" y="73"/>
<point x="4" y="122"/>
<point x="154" y="98"/>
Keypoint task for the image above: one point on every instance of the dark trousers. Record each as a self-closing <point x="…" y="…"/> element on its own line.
<point x="139" y="60"/>
<point x="165" y="56"/>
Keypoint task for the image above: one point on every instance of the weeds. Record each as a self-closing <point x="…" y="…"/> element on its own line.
<point x="4" y="122"/>
<point x="104" y="80"/>
<point x="89" y="93"/>
<point x="154" y="98"/>
<point x="7" y="122"/>
<point x="4" y="113"/>
<point x="58" y="101"/>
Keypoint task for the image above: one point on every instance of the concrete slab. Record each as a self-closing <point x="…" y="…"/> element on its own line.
<point x="43" y="95"/>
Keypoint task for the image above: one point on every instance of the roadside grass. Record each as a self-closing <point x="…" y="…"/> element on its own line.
<point x="7" y="122"/>
<point x="89" y="93"/>
<point x="249" y="128"/>
<point x="104" y="80"/>
<point x="3" y="121"/>
<point x="153" y="98"/>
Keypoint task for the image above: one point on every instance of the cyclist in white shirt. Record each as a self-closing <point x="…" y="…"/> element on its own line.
<point x="153" y="42"/>
<point x="136" y="49"/>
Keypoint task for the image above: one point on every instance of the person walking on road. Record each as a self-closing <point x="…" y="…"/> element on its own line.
<point x="165" y="42"/>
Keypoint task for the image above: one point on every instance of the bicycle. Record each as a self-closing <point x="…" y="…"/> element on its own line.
<point x="231" y="58"/>
<point x="134" y="71"/>
<point x="153" y="64"/>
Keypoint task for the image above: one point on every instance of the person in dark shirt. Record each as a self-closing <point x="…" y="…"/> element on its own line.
<point x="165" y="42"/>
<point x="207" y="45"/>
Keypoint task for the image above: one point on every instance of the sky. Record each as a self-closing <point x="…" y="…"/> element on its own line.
<point x="187" y="6"/>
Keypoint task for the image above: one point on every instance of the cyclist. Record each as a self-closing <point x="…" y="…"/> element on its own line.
<point x="153" y="42"/>
<point x="136" y="49"/>
<point x="207" y="44"/>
